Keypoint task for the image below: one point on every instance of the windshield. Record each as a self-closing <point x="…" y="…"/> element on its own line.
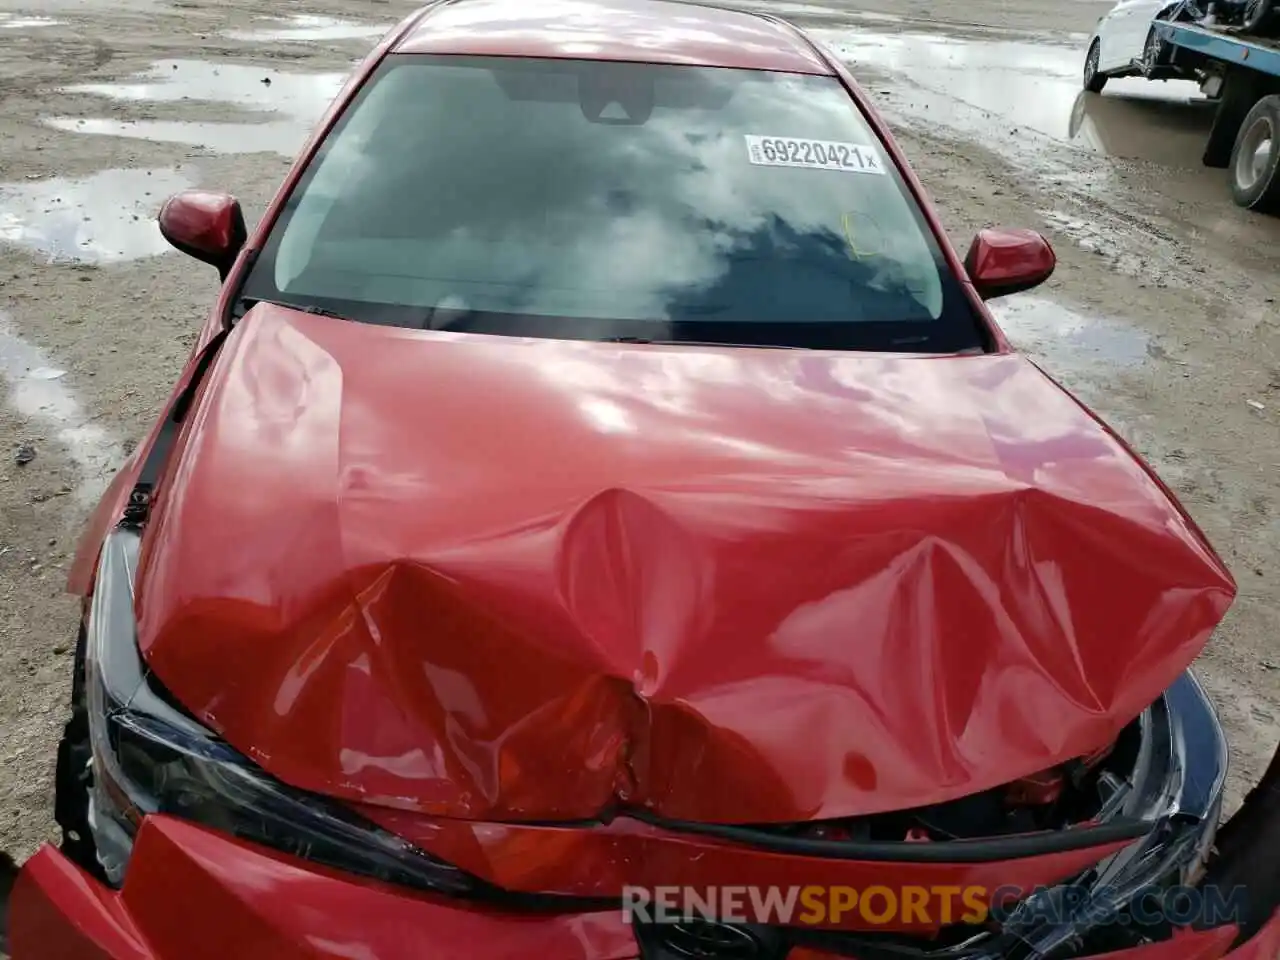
<point x="596" y="200"/>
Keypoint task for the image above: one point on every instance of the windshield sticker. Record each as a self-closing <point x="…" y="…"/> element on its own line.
<point x="813" y="154"/>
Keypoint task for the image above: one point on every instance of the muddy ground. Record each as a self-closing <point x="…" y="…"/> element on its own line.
<point x="1162" y="314"/>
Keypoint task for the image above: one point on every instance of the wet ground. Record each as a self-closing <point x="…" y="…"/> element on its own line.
<point x="1162" y="315"/>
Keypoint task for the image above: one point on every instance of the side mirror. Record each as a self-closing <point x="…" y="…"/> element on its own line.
<point x="1001" y="262"/>
<point x="204" y="225"/>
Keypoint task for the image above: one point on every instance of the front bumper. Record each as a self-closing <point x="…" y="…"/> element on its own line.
<point x="194" y="894"/>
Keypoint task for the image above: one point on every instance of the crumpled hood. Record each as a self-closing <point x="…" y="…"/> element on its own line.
<point x="492" y="578"/>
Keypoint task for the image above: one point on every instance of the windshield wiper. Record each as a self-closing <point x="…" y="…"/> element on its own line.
<point x="311" y="309"/>
<point x="700" y="343"/>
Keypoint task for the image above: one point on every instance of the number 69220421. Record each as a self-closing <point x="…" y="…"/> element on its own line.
<point x="820" y="154"/>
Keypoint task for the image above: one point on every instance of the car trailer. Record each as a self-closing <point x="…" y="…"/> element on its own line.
<point x="1243" y="74"/>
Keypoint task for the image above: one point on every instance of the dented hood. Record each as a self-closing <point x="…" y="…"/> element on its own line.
<point x="491" y="578"/>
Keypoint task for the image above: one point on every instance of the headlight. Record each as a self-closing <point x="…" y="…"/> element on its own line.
<point x="150" y="758"/>
<point x="1178" y="779"/>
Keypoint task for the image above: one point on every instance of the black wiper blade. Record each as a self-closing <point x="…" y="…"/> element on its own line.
<point x="301" y="308"/>
<point x="322" y="312"/>
<point x="701" y="343"/>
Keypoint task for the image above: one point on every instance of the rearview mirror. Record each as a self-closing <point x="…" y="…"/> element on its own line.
<point x="204" y="225"/>
<point x="1001" y="262"/>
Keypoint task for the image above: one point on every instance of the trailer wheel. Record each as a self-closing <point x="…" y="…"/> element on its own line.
<point x="1255" y="159"/>
<point x="1094" y="79"/>
<point x="1258" y="17"/>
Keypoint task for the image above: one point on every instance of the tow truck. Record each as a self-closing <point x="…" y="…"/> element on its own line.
<point x="1242" y="73"/>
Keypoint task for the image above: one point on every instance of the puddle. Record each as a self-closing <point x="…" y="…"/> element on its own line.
<point x="10" y="21"/>
<point x="255" y="88"/>
<point x="283" y="138"/>
<point x="305" y="28"/>
<point x="47" y="7"/>
<point x="1067" y="341"/>
<point x="38" y="390"/>
<point x="1146" y="126"/>
<point x="300" y="98"/>
<point x="994" y="90"/>
<point x="104" y="218"/>
<point x="811" y="11"/>
<point x="811" y="14"/>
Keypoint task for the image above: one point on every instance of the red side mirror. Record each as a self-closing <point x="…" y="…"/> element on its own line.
<point x="204" y="225"/>
<point x="1001" y="262"/>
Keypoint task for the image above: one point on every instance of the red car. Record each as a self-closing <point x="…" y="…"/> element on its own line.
<point x="600" y="484"/>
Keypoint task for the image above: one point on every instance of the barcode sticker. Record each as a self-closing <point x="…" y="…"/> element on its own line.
<point x="814" y="154"/>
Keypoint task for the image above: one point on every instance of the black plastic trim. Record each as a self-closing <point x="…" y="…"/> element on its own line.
<point x="138" y="509"/>
<point x="1017" y="847"/>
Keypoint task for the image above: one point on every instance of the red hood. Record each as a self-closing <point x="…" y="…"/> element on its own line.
<point x="493" y="578"/>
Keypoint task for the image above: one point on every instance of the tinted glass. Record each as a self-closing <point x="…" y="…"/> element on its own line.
<point x="597" y="200"/>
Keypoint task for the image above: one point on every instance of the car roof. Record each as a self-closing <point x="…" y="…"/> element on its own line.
<point x="644" y="31"/>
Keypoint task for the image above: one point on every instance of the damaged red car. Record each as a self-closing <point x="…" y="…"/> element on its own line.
<point x="600" y="474"/>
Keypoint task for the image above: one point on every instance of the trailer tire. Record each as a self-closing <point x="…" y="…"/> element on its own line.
<point x="1259" y="17"/>
<point x="1094" y="79"/>
<point x="1255" y="158"/>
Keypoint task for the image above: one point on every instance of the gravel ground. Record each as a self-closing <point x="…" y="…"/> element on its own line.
<point x="1162" y="314"/>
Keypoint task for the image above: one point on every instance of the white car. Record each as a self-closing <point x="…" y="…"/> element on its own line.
<point x="1124" y="43"/>
<point x="1122" y="39"/>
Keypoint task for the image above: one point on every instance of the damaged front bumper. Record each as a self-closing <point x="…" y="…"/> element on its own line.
<point x="192" y="893"/>
<point x="252" y="868"/>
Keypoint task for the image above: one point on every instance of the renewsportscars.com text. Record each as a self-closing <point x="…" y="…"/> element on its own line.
<point x="924" y="906"/>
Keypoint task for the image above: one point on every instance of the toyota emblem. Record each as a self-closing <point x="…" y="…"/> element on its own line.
<point x="699" y="939"/>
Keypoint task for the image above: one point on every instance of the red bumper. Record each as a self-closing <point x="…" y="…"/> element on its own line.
<point x="193" y="894"/>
